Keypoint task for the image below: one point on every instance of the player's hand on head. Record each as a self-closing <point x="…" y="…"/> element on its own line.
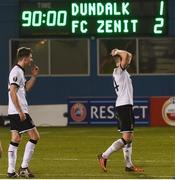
<point x="114" y="52"/>
<point x="35" y="70"/>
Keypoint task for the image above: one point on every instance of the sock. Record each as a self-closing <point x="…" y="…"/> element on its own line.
<point x="12" y="156"/>
<point x="127" y="152"/>
<point x="117" y="145"/>
<point x="29" y="149"/>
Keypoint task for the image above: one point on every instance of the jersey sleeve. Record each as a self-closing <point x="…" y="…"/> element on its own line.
<point x="15" y="78"/>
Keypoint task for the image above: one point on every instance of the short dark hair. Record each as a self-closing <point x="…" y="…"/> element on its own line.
<point x="23" y="52"/>
<point x="117" y="58"/>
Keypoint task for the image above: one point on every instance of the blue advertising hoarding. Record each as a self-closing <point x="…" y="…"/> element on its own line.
<point x="100" y="110"/>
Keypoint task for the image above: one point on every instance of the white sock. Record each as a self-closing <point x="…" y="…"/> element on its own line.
<point x="29" y="149"/>
<point x="114" y="147"/>
<point x="127" y="152"/>
<point x="12" y="156"/>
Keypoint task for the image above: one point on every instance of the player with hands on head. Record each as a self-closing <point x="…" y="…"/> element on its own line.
<point x="124" y="112"/>
<point x="18" y="113"/>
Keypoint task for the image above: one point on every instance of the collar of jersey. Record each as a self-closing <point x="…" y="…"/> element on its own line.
<point x="122" y="67"/>
<point x="21" y="67"/>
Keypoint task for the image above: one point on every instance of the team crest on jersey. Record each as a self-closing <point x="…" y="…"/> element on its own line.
<point x="78" y="112"/>
<point x="15" y="78"/>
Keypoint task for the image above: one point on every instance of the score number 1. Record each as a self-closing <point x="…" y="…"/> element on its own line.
<point x="159" y="20"/>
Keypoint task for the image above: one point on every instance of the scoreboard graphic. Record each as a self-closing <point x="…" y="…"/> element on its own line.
<point x="87" y="18"/>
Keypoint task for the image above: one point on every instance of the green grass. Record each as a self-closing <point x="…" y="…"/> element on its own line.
<point x="70" y="153"/>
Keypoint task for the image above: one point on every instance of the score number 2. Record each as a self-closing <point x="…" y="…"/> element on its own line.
<point x="159" y="20"/>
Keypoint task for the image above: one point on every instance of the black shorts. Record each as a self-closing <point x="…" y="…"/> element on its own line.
<point x="125" y="117"/>
<point x="20" y="126"/>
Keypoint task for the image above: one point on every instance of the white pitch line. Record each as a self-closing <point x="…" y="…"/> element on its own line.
<point x="62" y="159"/>
<point x="76" y="159"/>
<point x="90" y="175"/>
<point x="45" y="132"/>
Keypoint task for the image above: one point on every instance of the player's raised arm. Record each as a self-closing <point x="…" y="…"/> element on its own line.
<point x="125" y="57"/>
<point x="30" y="83"/>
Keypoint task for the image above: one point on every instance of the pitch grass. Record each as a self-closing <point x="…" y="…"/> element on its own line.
<point x="70" y="153"/>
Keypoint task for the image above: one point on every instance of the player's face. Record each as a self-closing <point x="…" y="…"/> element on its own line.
<point x="29" y="60"/>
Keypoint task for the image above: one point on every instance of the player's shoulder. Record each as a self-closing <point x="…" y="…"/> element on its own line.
<point x="15" y="71"/>
<point x="14" y="68"/>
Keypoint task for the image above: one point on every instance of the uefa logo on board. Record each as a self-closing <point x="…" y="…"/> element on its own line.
<point x="168" y="111"/>
<point x="78" y="112"/>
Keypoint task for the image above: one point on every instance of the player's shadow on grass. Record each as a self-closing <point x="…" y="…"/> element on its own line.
<point x="142" y="175"/>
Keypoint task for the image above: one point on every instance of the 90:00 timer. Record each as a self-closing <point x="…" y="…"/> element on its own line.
<point x="38" y="18"/>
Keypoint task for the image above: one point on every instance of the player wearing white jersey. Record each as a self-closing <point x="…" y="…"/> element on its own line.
<point x="124" y="112"/>
<point x="20" y="120"/>
<point x="123" y="87"/>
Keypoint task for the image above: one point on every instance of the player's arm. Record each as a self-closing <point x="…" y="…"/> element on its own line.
<point x="30" y="83"/>
<point x="13" y="93"/>
<point x="1" y="150"/>
<point x="125" y="56"/>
